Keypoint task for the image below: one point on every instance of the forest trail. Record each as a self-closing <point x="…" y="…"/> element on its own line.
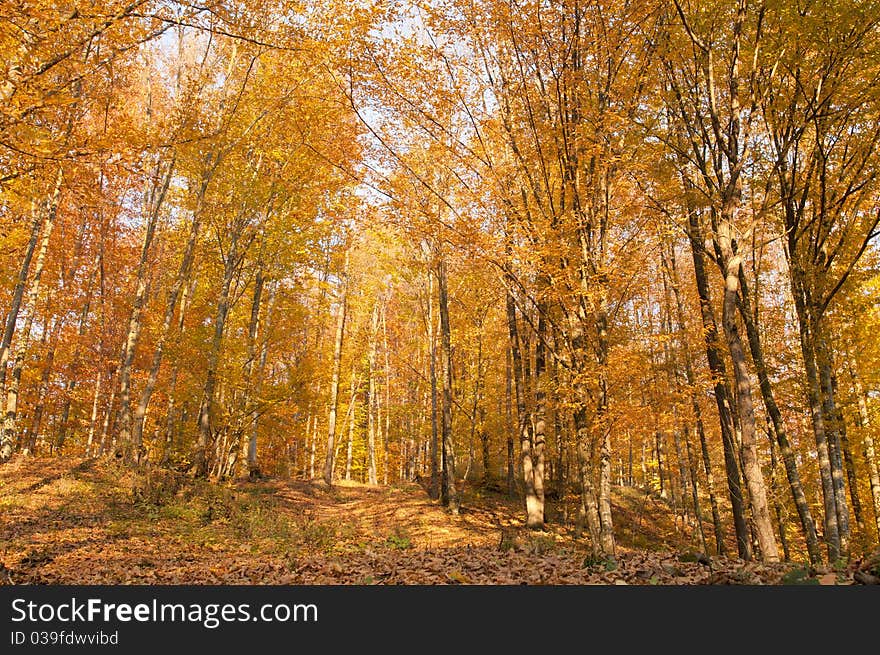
<point x="92" y="522"/>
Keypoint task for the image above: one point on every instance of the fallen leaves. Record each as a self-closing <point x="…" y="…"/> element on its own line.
<point x="81" y="527"/>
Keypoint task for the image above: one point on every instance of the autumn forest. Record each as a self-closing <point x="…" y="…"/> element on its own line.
<point x="583" y="279"/>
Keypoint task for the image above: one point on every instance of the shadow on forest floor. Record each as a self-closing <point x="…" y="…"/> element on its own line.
<point x="94" y="522"/>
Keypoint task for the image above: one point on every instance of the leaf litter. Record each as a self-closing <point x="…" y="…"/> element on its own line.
<point x="92" y="522"/>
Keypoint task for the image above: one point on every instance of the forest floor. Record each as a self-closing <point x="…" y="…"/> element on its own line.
<point x="93" y="522"/>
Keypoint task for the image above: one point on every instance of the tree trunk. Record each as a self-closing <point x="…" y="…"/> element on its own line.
<point x="434" y="491"/>
<point x="17" y="295"/>
<point x="868" y="441"/>
<point x="49" y="212"/>
<point x="50" y="337"/>
<point x="695" y="495"/>
<point x="534" y="508"/>
<point x="446" y="359"/>
<point x="751" y="464"/>
<point x="372" y="476"/>
<point x="334" y="382"/>
<point x="834" y="431"/>
<point x="808" y="527"/>
<point x="103" y="445"/>
<point x="722" y="392"/>
<point x="252" y="458"/>
<point x="94" y="416"/>
<point x="589" y="507"/>
<point x="350" y="446"/>
<point x="153" y="204"/>
<point x="602" y="422"/>
<point x="814" y="398"/>
<point x="778" y="507"/>
<point x="696" y="411"/>
<point x="387" y="380"/>
<point x="661" y="460"/>
<point x="201" y="462"/>
<point x="508" y="422"/>
<point x="313" y="447"/>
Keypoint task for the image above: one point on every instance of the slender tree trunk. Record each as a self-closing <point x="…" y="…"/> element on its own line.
<point x="589" y="507"/>
<point x="49" y="212"/>
<point x="697" y="413"/>
<point x="661" y="460"/>
<point x="751" y="464"/>
<point x="104" y="445"/>
<point x="534" y="509"/>
<point x="252" y="458"/>
<point x="508" y="423"/>
<point x="834" y="430"/>
<point x="313" y="447"/>
<point x="17" y="295"/>
<point x="94" y="416"/>
<point x="170" y="414"/>
<point x="695" y="494"/>
<point x="778" y="507"/>
<point x="334" y="382"/>
<point x="153" y="205"/>
<point x="832" y="534"/>
<point x="201" y="462"/>
<point x="475" y="409"/>
<point x="350" y="445"/>
<point x="50" y="337"/>
<point x="446" y="359"/>
<point x="387" y="381"/>
<point x="432" y="363"/>
<point x="722" y="392"/>
<point x="868" y="442"/>
<point x="372" y="476"/>
<point x="808" y="527"/>
<point x="231" y="452"/>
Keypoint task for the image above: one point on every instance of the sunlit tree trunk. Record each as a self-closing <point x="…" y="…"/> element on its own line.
<point x="508" y="422"/>
<point x="778" y="506"/>
<point x="434" y="490"/>
<point x="451" y="495"/>
<point x="834" y="428"/>
<point x="334" y="382"/>
<point x="534" y="509"/>
<point x="722" y="392"/>
<point x="696" y="410"/>
<point x="868" y="441"/>
<point x="386" y="374"/>
<point x="48" y="210"/>
<point x="50" y="339"/>
<point x="535" y="518"/>
<point x="751" y="464"/>
<point x="814" y="398"/>
<point x="349" y="450"/>
<point x="93" y="418"/>
<point x="201" y="463"/>
<point x="589" y="505"/>
<point x="252" y="454"/>
<point x="152" y="206"/>
<point x="17" y="295"/>
<point x="105" y="444"/>
<point x="808" y="527"/>
<point x="372" y="400"/>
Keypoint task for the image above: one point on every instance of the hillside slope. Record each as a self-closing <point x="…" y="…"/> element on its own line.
<point x="92" y="522"/>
